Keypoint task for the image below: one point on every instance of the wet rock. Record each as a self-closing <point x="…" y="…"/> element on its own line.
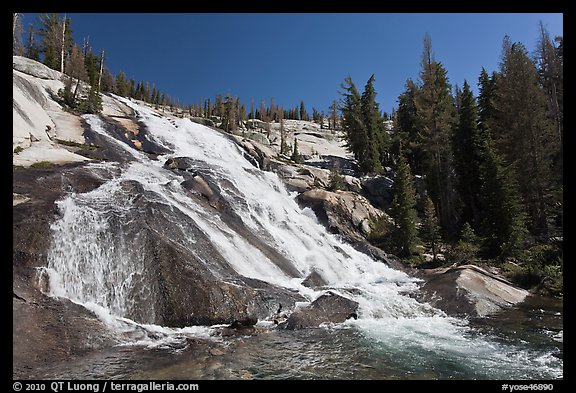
<point x="314" y="280"/>
<point x="198" y="184"/>
<point x="216" y="352"/>
<point x="328" y="308"/>
<point x="470" y="290"/>
<point x="243" y="322"/>
<point x="47" y="330"/>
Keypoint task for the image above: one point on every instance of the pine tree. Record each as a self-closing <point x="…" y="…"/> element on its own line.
<point x="92" y="66"/>
<point x="303" y="113"/>
<point x="550" y="65"/>
<point x="435" y="116"/>
<point x="75" y="67"/>
<point x="32" y="51"/>
<point x="56" y="40"/>
<point x="550" y="70"/>
<point x="94" y="102"/>
<point x="147" y="96"/>
<point x="355" y="134"/>
<point x="486" y="98"/>
<point x="467" y="155"/>
<point x="503" y="225"/>
<point x="524" y="134"/>
<point x="373" y="126"/>
<point x="122" y="85"/>
<point x="406" y="127"/>
<point x="403" y="211"/>
<point x="296" y="157"/>
<point x="430" y="232"/>
<point x="108" y="81"/>
<point x="466" y="249"/>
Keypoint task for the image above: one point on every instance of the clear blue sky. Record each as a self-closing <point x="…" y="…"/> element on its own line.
<point x="299" y="56"/>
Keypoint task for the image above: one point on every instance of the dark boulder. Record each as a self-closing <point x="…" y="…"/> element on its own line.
<point x="328" y="308"/>
<point x="378" y="190"/>
<point x="314" y="280"/>
<point x="203" y="121"/>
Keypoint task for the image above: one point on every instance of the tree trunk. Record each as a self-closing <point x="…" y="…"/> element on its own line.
<point x="101" y="67"/>
<point x="75" y="91"/>
<point x="63" y="45"/>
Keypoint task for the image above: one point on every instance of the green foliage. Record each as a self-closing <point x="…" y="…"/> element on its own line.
<point x="503" y="224"/>
<point x="411" y="137"/>
<point x="539" y="268"/>
<point x="18" y="149"/>
<point x="92" y="67"/>
<point x="430" y="230"/>
<point x="42" y="164"/>
<point x="380" y="230"/>
<point x="303" y="113"/>
<point x="94" y="102"/>
<point x="468" y="156"/>
<point x="373" y="128"/>
<point x="362" y="125"/>
<point x="66" y="95"/>
<point x="122" y="85"/>
<point x="76" y="144"/>
<point x="50" y="31"/>
<point x="336" y="181"/>
<point x="435" y="118"/>
<point x="296" y="157"/>
<point x="524" y="134"/>
<point x="403" y="210"/>
<point x="466" y="249"/>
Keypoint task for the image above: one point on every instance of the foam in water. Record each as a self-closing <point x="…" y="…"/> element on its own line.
<point x="87" y="266"/>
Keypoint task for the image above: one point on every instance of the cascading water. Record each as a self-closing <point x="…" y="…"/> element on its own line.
<point x="93" y="262"/>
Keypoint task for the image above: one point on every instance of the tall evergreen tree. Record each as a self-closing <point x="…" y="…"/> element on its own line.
<point x="303" y="113"/>
<point x="523" y="132"/>
<point x="435" y="116"/>
<point x="91" y="63"/>
<point x="550" y="65"/>
<point x="55" y="45"/>
<point x="122" y="85"/>
<point x="406" y="126"/>
<point x="486" y="99"/>
<point x="503" y="225"/>
<point x="352" y="120"/>
<point x="467" y="156"/>
<point x="403" y="211"/>
<point x="375" y="136"/>
<point x="551" y="71"/>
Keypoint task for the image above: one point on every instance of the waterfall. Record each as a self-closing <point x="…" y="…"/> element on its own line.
<point x="93" y="261"/>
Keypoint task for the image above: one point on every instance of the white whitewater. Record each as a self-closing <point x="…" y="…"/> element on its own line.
<point x="83" y="268"/>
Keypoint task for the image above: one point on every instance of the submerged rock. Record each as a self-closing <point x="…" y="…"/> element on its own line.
<point x="328" y="308"/>
<point x="470" y="290"/>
